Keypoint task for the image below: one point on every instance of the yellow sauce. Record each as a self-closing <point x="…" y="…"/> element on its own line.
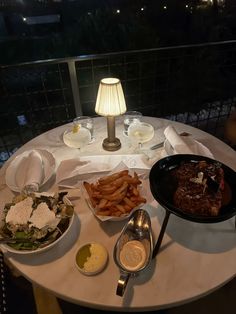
<point x="91" y="258"/>
<point x="133" y="255"/>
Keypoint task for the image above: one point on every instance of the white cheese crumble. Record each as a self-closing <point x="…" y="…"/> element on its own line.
<point x="19" y="213"/>
<point x="43" y="216"/>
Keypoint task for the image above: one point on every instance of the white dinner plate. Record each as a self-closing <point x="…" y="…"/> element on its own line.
<point x="18" y="166"/>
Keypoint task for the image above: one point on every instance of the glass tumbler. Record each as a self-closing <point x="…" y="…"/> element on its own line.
<point x="129" y="118"/>
<point x="86" y="122"/>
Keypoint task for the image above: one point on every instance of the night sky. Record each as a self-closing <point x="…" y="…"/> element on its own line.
<point x="55" y="29"/>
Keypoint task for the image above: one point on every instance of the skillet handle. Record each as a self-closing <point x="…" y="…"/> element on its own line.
<point x="122" y="283"/>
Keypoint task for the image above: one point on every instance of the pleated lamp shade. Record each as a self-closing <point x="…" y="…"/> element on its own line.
<point x="110" y="98"/>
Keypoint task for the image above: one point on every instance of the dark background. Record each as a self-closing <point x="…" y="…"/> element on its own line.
<point x="98" y="26"/>
<point x="176" y="59"/>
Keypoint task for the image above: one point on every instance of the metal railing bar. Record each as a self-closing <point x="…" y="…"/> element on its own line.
<point x="120" y="53"/>
<point x="75" y="87"/>
<point x="63" y="92"/>
<point x="42" y="91"/>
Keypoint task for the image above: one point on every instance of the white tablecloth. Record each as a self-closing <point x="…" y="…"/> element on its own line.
<point x="194" y="258"/>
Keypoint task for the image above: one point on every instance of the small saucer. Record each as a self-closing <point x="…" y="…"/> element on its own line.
<point x="16" y="170"/>
<point x="91" y="258"/>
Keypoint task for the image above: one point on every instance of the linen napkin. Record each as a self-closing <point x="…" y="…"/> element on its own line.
<point x="185" y="144"/>
<point x="71" y="171"/>
<point x="30" y="171"/>
<point x="68" y="172"/>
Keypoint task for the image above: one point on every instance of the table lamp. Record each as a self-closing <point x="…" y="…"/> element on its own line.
<point x="110" y="103"/>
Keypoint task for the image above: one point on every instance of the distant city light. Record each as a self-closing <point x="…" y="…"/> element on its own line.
<point x="89" y="13"/>
<point x="118" y="11"/>
<point x="21" y="120"/>
<point x="210" y="2"/>
<point x="42" y="19"/>
<point x="142" y="9"/>
<point x="165" y="7"/>
<point x="186" y="6"/>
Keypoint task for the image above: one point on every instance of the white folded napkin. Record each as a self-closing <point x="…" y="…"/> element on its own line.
<point x="68" y="172"/>
<point x="33" y="173"/>
<point x="71" y="171"/>
<point x="185" y="144"/>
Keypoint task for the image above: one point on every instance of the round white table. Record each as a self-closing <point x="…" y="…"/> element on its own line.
<point x="194" y="259"/>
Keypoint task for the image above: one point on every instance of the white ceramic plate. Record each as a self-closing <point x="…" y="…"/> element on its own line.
<point x="18" y="167"/>
<point x="49" y="246"/>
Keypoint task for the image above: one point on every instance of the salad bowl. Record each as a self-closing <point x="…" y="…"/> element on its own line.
<point x="50" y="217"/>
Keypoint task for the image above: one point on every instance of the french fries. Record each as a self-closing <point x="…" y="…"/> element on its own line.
<point x="116" y="194"/>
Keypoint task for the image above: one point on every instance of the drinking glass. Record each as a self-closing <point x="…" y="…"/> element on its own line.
<point x="129" y="118"/>
<point x="77" y="138"/>
<point x="139" y="133"/>
<point x="86" y="122"/>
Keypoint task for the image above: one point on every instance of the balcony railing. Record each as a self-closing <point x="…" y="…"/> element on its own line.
<point x="192" y="84"/>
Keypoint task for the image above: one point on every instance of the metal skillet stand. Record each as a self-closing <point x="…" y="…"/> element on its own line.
<point x="163" y="185"/>
<point x="161" y="234"/>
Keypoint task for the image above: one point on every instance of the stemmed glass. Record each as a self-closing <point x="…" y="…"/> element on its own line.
<point x="129" y="118"/>
<point x="139" y="133"/>
<point x="77" y="137"/>
<point x="85" y="122"/>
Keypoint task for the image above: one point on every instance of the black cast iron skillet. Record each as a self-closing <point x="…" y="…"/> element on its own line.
<point x="163" y="185"/>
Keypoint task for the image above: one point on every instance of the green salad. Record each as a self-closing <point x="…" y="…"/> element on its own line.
<point x="34" y="221"/>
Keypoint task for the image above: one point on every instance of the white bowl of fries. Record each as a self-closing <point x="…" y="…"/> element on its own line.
<point x="116" y="195"/>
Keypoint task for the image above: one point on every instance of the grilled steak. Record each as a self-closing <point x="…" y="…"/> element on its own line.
<point x="200" y="186"/>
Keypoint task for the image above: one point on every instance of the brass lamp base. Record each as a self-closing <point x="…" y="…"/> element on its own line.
<point x="111" y="146"/>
